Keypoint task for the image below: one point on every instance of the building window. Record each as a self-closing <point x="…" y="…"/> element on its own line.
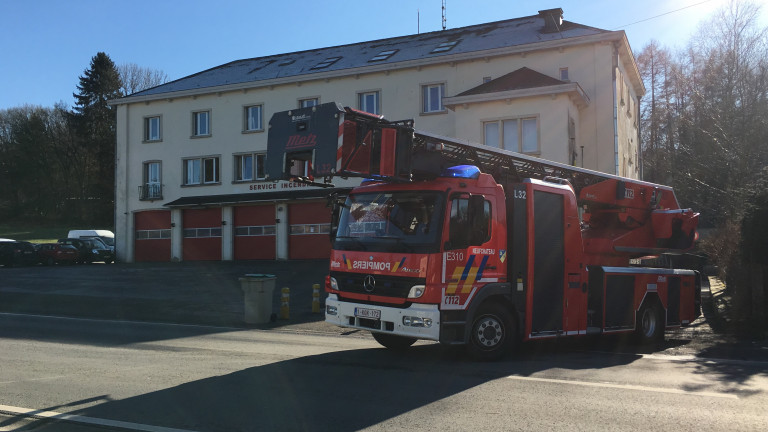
<point x="201" y="232"/>
<point x="309" y="102"/>
<point x="201" y="171"/>
<point x="564" y="74"/>
<point x="157" y="234"/>
<point x="255" y="231"/>
<point x="152" y="129"/>
<point x="249" y="167"/>
<point x="444" y="47"/>
<point x="369" y="102"/>
<point x="303" y="229"/>
<point x="432" y="98"/>
<point x="383" y="55"/>
<point x="253" y="118"/>
<point x="201" y="123"/>
<point x="325" y="63"/>
<point x="152" y="187"/>
<point x="519" y="135"/>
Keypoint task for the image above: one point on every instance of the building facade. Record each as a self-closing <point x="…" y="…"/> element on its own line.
<point x="190" y="181"/>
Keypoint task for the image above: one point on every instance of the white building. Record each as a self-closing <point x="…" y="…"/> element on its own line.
<point x="190" y="153"/>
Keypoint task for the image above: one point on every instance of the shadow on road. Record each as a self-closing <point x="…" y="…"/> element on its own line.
<point x="341" y="391"/>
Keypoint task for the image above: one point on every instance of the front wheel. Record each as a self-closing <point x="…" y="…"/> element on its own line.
<point x="650" y="324"/>
<point x="493" y="333"/>
<point x="393" y="342"/>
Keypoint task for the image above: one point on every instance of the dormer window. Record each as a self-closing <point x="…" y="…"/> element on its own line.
<point x="325" y="63"/>
<point x="444" y="47"/>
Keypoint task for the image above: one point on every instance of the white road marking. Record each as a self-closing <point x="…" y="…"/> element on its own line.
<point x="53" y="415"/>
<point x="624" y="387"/>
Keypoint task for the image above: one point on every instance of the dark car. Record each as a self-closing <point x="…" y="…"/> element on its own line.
<point x="14" y="253"/>
<point x="90" y="249"/>
<point x="57" y="253"/>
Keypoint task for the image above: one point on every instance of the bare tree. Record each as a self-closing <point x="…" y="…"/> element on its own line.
<point x="136" y="78"/>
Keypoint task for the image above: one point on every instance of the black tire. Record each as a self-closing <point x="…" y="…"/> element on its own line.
<point x="650" y="324"/>
<point x="50" y="261"/>
<point x="493" y="333"/>
<point x="393" y="342"/>
<point x="108" y="261"/>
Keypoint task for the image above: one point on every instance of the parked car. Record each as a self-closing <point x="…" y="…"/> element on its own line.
<point x="13" y="253"/>
<point x="90" y="249"/>
<point x="106" y="236"/>
<point x="57" y="253"/>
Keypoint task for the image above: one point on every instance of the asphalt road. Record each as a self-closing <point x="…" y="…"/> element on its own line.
<point x="161" y="377"/>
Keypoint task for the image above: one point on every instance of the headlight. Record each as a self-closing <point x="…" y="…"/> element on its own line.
<point x="331" y="310"/>
<point x="334" y="284"/>
<point x="411" y="321"/>
<point x="95" y="251"/>
<point x="416" y="291"/>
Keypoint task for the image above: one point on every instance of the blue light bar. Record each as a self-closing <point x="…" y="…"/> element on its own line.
<point x="462" y="171"/>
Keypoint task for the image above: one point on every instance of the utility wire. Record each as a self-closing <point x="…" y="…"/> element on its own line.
<point x="661" y="15"/>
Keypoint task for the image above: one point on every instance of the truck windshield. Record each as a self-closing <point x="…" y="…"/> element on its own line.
<point x="407" y="221"/>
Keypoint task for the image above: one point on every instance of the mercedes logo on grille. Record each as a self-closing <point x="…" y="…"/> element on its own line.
<point x="369" y="283"/>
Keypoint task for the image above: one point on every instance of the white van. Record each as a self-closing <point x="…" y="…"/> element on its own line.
<point x="107" y="236"/>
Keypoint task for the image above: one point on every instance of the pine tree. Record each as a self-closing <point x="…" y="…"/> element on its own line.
<point x="96" y="122"/>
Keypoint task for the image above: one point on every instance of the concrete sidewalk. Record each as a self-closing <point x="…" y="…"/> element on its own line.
<point x="206" y="293"/>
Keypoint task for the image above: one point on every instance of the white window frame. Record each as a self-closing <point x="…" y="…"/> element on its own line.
<point x="254" y="174"/>
<point x="150" y="180"/>
<point x="309" y="102"/>
<point x="248" y="125"/>
<point x="201" y="123"/>
<point x="362" y="103"/>
<point x="148" y="128"/>
<point x="198" y="173"/>
<point x="513" y="140"/>
<point x="426" y="98"/>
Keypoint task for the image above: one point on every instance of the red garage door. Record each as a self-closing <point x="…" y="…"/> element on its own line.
<point x="202" y="235"/>
<point x="152" y="240"/>
<point x="255" y="232"/>
<point x="309" y="227"/>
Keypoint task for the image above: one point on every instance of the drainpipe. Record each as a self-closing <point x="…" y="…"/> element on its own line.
<point x="615" y="110"/>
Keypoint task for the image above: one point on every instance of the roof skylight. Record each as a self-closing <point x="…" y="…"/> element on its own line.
<point x="325" y="63"/>
<point x="445" y="46"/>
<point x="383" y="55"/>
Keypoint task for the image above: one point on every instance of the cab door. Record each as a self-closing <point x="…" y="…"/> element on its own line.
<point x="470" y="258"/>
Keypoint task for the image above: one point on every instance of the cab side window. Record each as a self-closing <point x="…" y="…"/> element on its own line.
<point x="470" y="222"/>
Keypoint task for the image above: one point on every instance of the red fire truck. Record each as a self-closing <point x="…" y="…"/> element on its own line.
<point x="464" y="244"/>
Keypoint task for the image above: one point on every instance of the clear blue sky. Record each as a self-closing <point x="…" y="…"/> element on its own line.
<point x="47" y="44"/>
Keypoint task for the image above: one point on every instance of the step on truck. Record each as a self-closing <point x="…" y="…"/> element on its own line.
<point x="464" y="244"/>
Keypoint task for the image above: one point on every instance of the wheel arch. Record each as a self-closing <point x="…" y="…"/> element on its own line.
<point x="497" y="293"/>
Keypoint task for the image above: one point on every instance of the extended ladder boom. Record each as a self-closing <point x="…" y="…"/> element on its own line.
<point x="328" y="140"/>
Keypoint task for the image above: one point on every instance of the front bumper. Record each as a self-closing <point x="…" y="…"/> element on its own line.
<point x="390" y="322"/>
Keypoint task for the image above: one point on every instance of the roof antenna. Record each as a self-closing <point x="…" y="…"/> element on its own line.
<point x="443" y="14"/>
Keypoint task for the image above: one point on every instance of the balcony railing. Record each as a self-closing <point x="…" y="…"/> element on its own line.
<point x="150" y="192"/>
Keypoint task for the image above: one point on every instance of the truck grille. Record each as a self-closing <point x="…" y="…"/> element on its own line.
<point x="386" y="286"/>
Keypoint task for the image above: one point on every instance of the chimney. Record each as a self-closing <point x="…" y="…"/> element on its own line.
<point x="553" y="19"/>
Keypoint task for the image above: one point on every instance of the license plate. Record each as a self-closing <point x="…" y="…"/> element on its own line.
<point x="368" y="313"/>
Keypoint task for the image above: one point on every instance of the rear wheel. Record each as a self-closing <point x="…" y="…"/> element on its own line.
<point x="493" y="333"/>
<point x="650" y="324"/>
<point x="393" y="342"/>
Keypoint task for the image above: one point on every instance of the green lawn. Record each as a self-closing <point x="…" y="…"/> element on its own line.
<point x="33" y="233"/>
